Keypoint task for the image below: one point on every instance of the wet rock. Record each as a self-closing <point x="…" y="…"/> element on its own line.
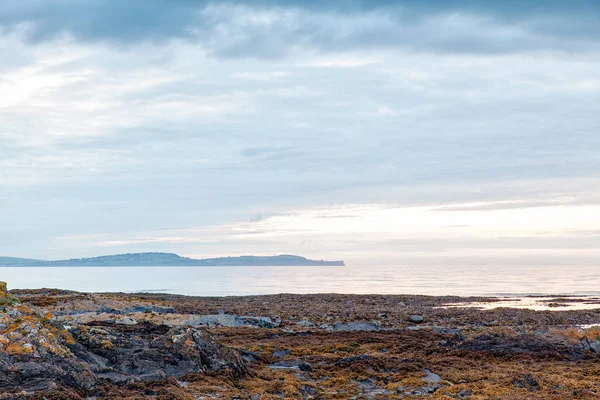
<point x="251" y="356"/>
<point x="357" y="326"/>
<point x="307" y="392"/>
<point x="299" y="365"/>
<point x="108" y="310"/>
<point x="370" y="389"/>
<point x="432" y="382"/>
<point x="146" y="309"/>
<point x="150" y="351"/>
<point x="39" y="354"/>
<point x="417" y="319"/>
<point x="281" y="353"/>
<point x="233" y="321"/>
<point x="594" y="345"/>
<point x="528" y="382"/>
<point x="35" y="353"/>
<point x="304" y="366"/>
<point x="521" y="343"/>
<point x="260" y="322"/>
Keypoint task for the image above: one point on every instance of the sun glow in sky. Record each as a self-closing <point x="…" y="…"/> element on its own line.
<point x="379" y="131"/>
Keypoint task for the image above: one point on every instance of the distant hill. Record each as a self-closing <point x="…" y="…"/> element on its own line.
<point x="167" y="260"/>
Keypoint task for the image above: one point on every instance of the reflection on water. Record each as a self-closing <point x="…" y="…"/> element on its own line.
<point x="535" y="303"/>
<point x="223" y="281"/>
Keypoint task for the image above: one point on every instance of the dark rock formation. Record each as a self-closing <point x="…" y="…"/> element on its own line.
<point x="150" y="351"/>
<point x="548" y="345"/>
<point x="38" y="354"/>
<point x="528" y="382"/>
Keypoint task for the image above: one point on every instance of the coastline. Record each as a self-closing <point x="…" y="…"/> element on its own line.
<point x="322" y="346"/>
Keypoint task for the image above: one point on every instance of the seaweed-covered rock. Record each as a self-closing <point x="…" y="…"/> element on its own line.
<point x="150" y="351"/>
<point x="37" y="353"/>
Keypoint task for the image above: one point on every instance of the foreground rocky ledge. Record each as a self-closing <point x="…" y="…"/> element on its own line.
<point x="66" y="345"/>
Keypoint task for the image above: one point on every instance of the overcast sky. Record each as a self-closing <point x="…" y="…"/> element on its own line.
<point x="371" y="131"/>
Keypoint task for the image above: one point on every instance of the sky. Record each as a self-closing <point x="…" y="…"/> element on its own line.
<point x="377" y="132"/>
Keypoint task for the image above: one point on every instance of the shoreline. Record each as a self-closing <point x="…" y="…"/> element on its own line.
<point x="534" y="301"/>
<point x="240" y="281"/>
<point x="321" y="346"/>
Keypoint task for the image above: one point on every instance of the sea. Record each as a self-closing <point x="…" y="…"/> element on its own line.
<point x="235" y="281"/>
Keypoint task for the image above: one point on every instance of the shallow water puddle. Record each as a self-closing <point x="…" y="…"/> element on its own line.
<point x="534" y="303"/>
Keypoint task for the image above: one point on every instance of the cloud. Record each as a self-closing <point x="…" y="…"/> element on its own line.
<point x="364" y="234"/>
<point x="269" y="29"/>
<point x="187" y="115"/>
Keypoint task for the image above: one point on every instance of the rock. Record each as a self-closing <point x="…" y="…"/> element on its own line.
<point x="35" y="353"/>
<point x="306" y="323"/>
<point x="39" y="354"/>
<point x="280" y="353"/>
<point x="357" y="326"/>
<point x="307" y="391"/>
<point x="594" y="345"/>
<point x="522" y="343"/>
<point x="3" y="288"/>
<point x="150" y="351"/>
<point x="370" y="389"/>
<point x="446" y="331"/>
<point x="232" y="321"/>
<point x="528" y="383"/>
<point x="417" y="319"/>
<point x="304" y="366"/>
<point x="432" y="382"/>
<point x="461" y="395"/>
<point x="414" y="328"/>
<point x="361" y="361"/>
<point x="147" y="309"/>
<point x="213" y="320"/>
<point x="299" y="365"/>
<point x="260" y="322"/>
<point x="126" y="321"/>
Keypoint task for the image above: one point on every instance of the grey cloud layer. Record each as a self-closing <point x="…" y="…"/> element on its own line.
<point x="274" y="26"/>
<point x="117" y="119"/>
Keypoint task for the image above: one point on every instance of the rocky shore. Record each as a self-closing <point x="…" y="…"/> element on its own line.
<point x="57" y="344"/>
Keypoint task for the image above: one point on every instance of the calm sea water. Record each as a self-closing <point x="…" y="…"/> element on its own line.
<point x="224" y="281"/>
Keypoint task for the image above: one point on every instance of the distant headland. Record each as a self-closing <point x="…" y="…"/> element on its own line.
<point x="167" y="260"/>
